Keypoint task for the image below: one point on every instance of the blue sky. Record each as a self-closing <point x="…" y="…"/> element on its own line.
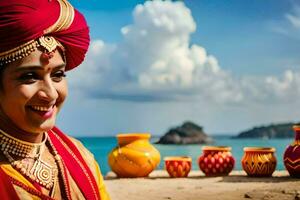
<point x="226" y="65"/>
<point x="226" y="28"/>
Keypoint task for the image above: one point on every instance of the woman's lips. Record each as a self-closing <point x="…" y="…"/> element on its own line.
<point x="44" y="112"/>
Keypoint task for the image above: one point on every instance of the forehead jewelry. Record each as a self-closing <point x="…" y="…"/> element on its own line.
<point x="45" y="57"/>
<point x="48" y="43"/>
<point x="64" y="21"/>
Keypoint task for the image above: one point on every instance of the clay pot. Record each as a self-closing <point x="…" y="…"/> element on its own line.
<point x="216" y="161"/>
<point x="178" y="166"/>
<point x="134" y="156"/>
<point x="291" y="157"/>
<point x="259" y="161"/>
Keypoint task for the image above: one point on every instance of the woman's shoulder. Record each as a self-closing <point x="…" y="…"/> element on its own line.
<point x="85" y="153"/>
<point x="88" y="157"/>
<point x="94" y="167"/>
<point x="69" y="142"/>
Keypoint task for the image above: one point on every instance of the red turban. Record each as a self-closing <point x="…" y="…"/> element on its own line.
<point x="22" y="21"/>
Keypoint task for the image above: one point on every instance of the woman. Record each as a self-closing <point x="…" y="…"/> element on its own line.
<point x="39" y="41"/>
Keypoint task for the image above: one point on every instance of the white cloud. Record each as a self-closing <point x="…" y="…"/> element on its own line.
<point x="155" y="61"/>
<point x="294" y="16"/>
<point x="287" y="88"/>
<point x="289" y="25"/>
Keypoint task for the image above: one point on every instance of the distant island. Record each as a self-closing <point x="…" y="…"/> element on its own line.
<point x="284" y="130"/>
<point x="188" y="133"/>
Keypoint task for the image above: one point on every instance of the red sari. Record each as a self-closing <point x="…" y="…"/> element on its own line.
<point x="73" y="162"/>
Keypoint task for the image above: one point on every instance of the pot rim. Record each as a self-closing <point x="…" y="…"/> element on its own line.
<point x="178" y="158"/>
<point x="296" y="127"/>
<point x="134" y="135"/>
<point x="216" y="148"/>
<point x="260" y="149"/>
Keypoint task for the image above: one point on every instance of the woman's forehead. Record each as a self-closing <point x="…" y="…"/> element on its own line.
<point x="35" y="59"/>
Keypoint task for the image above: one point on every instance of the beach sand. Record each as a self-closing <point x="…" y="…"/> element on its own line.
<point x="158" y="186"/>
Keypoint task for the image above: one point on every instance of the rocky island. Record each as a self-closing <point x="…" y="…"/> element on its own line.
<point x="284" y="130"/>
<point x="188" y="133"/>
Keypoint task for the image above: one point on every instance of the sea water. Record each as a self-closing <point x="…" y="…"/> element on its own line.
<point x="101" y="146"/>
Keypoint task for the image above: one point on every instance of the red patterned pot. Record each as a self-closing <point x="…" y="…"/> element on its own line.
<point x="178" y="166"/>
<point x="259" y="161"/>
<point x="291" y="156"/>
<point x="216" y="160"/>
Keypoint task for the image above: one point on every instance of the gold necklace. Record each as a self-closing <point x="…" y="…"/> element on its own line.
<point x="18" y="147"/>
<point x="38" y="170"/>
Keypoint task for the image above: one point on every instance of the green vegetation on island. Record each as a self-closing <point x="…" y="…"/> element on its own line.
<point x="188" y="133"/>
<point x="284" y="130"/>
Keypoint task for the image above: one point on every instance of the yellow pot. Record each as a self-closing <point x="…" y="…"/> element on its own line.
<point x="134" y="156"/>
<point x="259" y="161"/>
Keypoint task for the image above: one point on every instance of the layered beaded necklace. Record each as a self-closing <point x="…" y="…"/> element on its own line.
<point x="38" y="170"/>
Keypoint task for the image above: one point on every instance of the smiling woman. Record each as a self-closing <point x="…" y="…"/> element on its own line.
<point x="33" y="93"/>
<point x="37" y="160"/>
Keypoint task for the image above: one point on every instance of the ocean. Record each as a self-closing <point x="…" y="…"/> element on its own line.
<point x="101" y="146"/>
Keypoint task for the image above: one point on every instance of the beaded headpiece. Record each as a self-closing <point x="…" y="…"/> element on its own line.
<point x="48" y="42"/>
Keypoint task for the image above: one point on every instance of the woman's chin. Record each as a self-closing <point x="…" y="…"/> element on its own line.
<point x="48" y="124"/>
<point x="46" y="127"/>
<point x="41" y="128"/>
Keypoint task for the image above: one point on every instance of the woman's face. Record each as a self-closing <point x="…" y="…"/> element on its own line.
<point x="33" y="91"/>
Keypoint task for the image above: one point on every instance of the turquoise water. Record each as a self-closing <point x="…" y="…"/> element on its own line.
<point x="101" y="146"/>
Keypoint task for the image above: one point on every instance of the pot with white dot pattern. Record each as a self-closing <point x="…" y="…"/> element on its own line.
<point x="216" y="160"/>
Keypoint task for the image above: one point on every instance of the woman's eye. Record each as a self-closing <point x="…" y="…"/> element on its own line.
<point x="58" y="76"/>
<point x="28" y="77"/>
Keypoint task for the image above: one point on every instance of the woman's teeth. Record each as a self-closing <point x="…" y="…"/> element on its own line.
<point x="41" y="108"/>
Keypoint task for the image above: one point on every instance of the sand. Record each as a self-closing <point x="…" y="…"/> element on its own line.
<point x="158" y="186"/>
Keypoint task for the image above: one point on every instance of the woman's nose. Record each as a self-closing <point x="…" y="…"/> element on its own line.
<point x="48" y="91"/>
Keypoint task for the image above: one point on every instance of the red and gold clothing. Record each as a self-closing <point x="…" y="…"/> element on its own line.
<point x="81" y="175"/>
<point x="47" y="25"/>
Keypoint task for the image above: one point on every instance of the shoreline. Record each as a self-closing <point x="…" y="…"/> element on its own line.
<point x="158" y="186"/>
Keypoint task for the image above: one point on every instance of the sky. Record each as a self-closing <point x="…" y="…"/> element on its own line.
<point x="227" y="66"/>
